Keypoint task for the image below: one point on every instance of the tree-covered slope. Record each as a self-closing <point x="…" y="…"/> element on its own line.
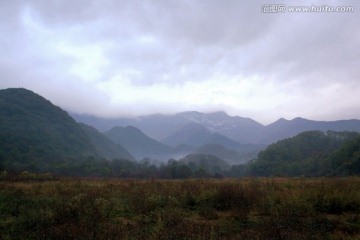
<point x="305" y="154"/>
<point x="32" y="126"/>
<point x="346" y="161"/>
<point x="34" y="132"/>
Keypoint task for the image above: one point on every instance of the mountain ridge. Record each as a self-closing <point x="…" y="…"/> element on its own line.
<point x="36" y="135"/>
<point x="242" y="130"/>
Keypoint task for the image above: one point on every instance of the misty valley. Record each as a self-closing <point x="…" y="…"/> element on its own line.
<point x="39" y="137"/>
<point x="189" y="175"/>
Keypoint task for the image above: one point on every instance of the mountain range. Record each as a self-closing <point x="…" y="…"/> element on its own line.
<point x="234" y="139"/>
<point x="34" y="130"/>
<point x="192" y="138"/>
<point x="37" y="135"/>
<point x="242" y="130"/>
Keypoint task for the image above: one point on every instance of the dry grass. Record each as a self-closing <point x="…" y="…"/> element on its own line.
<point x="249" y="208"/>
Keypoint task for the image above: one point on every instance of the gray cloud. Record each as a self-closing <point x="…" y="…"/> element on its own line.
<point x="95" y="51"/>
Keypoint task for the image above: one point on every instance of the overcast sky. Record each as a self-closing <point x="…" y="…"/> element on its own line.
<point x="117" y="57"/>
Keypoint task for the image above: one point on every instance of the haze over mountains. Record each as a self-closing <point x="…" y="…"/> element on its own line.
<point x="37" y="135"/>
<point x="239" y="129"/>
<point x="232" y="138"/>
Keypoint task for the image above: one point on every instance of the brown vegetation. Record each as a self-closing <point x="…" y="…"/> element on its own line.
<point x="251" y="208"/>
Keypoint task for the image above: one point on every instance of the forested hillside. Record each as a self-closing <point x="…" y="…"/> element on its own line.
<point x="34" y="132"/>
<point x="312" y="153"/>
<point x="346" y="161"/>
<point x="36" y="135"/>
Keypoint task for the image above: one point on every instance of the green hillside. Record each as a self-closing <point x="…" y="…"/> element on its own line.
<point x="36" y="135"/>
<point x="308" y="153"/>
<point x="34" y="132"/>
<point x="346" y="161"/>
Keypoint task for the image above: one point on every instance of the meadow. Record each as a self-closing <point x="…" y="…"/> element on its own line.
<point x="248" y="208"/>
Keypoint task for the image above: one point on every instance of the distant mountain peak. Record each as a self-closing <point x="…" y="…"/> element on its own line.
<point x="300" y="119"/>
<point x="281" y="120"/>
<point x="132" y="128"/>
<point x="241" y="129"/>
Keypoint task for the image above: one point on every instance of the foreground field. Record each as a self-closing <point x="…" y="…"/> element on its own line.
<point x="181" y="209"/>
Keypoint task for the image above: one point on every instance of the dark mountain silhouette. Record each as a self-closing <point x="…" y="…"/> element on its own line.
<point x="33" y="130"/>
<point x="34" y="133"/>
<point x="138" y="143"/>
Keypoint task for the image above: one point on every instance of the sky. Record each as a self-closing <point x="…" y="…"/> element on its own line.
<point x="113" y="58"/>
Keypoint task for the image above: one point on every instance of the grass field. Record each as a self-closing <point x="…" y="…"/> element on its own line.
<point x="253" y="208"/>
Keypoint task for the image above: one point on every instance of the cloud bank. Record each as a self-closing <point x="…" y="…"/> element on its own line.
<point x="112" y="58"/>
